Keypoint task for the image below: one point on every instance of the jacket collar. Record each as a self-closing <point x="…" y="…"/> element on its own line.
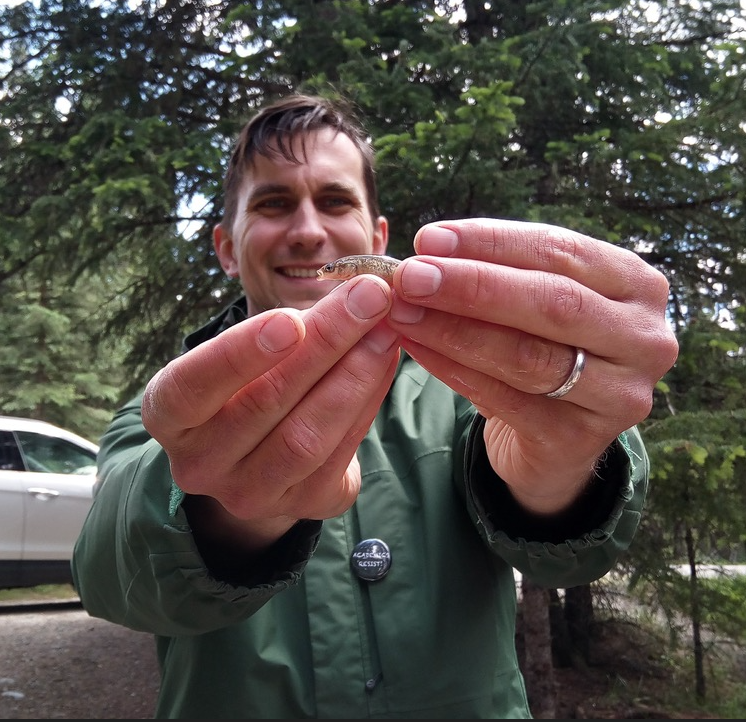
<point x="229" y="316"/>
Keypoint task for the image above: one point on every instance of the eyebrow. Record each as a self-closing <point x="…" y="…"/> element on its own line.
<point x="267" y="189"/>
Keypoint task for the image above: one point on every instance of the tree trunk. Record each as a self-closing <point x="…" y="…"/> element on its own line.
<point x="700" y="686"/>
<point x="562" y="651"/>
<point x="538" y="669"/>
<point x="579" y="618"/>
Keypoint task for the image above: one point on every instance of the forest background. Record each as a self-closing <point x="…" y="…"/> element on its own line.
<point x="622" y="120"/>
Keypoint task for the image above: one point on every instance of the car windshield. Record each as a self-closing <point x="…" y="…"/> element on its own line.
<point x="51" y="455"/>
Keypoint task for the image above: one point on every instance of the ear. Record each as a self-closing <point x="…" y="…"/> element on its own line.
<point x="381" y="236"/>
<point x="225" y="251"/>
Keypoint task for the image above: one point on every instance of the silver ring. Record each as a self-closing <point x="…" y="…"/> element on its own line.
<point x="573" y="378"/>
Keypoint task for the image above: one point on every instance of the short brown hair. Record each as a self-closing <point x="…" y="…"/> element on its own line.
<point x="272" y="130"/>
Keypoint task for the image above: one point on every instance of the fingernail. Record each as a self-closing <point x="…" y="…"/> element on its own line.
<point x="279" y="332"/>
<point x="404" y="312"/>
<point x="437" y="241"/>
<point x="367" y="298"/>
<point x="420" y="279"/>
<point x="381" y="338"/>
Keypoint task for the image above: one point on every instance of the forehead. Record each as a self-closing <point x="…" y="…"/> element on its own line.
<point x="319" y="153"/>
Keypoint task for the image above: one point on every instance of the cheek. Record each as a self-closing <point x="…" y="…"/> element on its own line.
<point x="251" y="250"/>
<point x="258" y="238"/>
<point x="356" y="240"/>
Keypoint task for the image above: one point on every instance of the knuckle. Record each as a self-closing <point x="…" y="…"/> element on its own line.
<point x="326" y="330"/>
<point x="665" y="351"/>
<point x="562" y="301"/>
<point x="303" y="441"/>
<point x="632" y="402"/>
<point x="540" y="359"/>
<point x="638" y="400"/>
<point x="167" y="396"/>
<point x="263" y="396"/>
<point x="560" y="250"/>
<point x="189" y="470"/>
<point x="659" y="287"/>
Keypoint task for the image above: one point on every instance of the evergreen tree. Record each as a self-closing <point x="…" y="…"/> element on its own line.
<point x="619" y="118"/>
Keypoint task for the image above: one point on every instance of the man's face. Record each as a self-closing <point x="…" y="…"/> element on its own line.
<point x="293" y="218"/>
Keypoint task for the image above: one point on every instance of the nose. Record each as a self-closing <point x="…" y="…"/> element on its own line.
<point x="306" y="228"/>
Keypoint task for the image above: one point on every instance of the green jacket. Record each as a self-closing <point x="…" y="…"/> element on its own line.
<point x="304" y="635"/>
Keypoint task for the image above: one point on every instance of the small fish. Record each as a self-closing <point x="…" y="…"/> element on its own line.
<point x="351" y="266"/>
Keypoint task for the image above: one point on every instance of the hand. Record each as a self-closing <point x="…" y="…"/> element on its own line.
<point x="266" y="417"/>
<point x="496" y="309"/>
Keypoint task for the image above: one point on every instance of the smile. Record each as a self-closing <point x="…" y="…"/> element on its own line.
<point x="298" y="272"/>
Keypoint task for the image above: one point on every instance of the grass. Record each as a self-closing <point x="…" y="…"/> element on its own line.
<point x="45" y="592"/>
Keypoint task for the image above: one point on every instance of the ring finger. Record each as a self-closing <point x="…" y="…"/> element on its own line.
<point x="526" y="362"/>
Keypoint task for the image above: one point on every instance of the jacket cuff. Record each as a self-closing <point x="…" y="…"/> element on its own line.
<point x="499" y="511"/>
<point x="284" y="561"/>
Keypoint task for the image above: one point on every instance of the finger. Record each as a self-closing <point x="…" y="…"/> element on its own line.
<point x="581" y="417"/>
<point x="193" y="387"/>
<point x="502" y="388"/>
<point x="545" y="305"/>
<point x="615" y="272"/>
<point x="333" y="326"/>
<point x="332" y="356"/>
<point x="529" y="363"/>
<point x="475" y="358"/>
<point x="307" y="479"/>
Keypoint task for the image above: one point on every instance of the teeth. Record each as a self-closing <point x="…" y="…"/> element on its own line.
<point x="300" y="272"/>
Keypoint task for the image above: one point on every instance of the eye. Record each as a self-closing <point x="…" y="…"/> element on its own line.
<point x="272" y="203"/>
<point x="334" y="202"/>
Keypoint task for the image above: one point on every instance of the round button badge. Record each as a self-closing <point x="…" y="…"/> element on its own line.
<point x="371" y="559"/>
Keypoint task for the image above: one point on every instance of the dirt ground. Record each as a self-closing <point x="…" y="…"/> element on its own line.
<point x="66" y="665"/>
<point x="632" y="674"/>
<point x="626" y="679"/>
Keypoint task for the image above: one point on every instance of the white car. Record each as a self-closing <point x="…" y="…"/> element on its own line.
<point x="46" y="489"/>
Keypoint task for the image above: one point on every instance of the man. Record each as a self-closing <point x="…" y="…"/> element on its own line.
<point x="315" y="523"/>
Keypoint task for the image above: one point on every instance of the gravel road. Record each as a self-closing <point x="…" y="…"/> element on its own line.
<point x="63" y="664"/>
